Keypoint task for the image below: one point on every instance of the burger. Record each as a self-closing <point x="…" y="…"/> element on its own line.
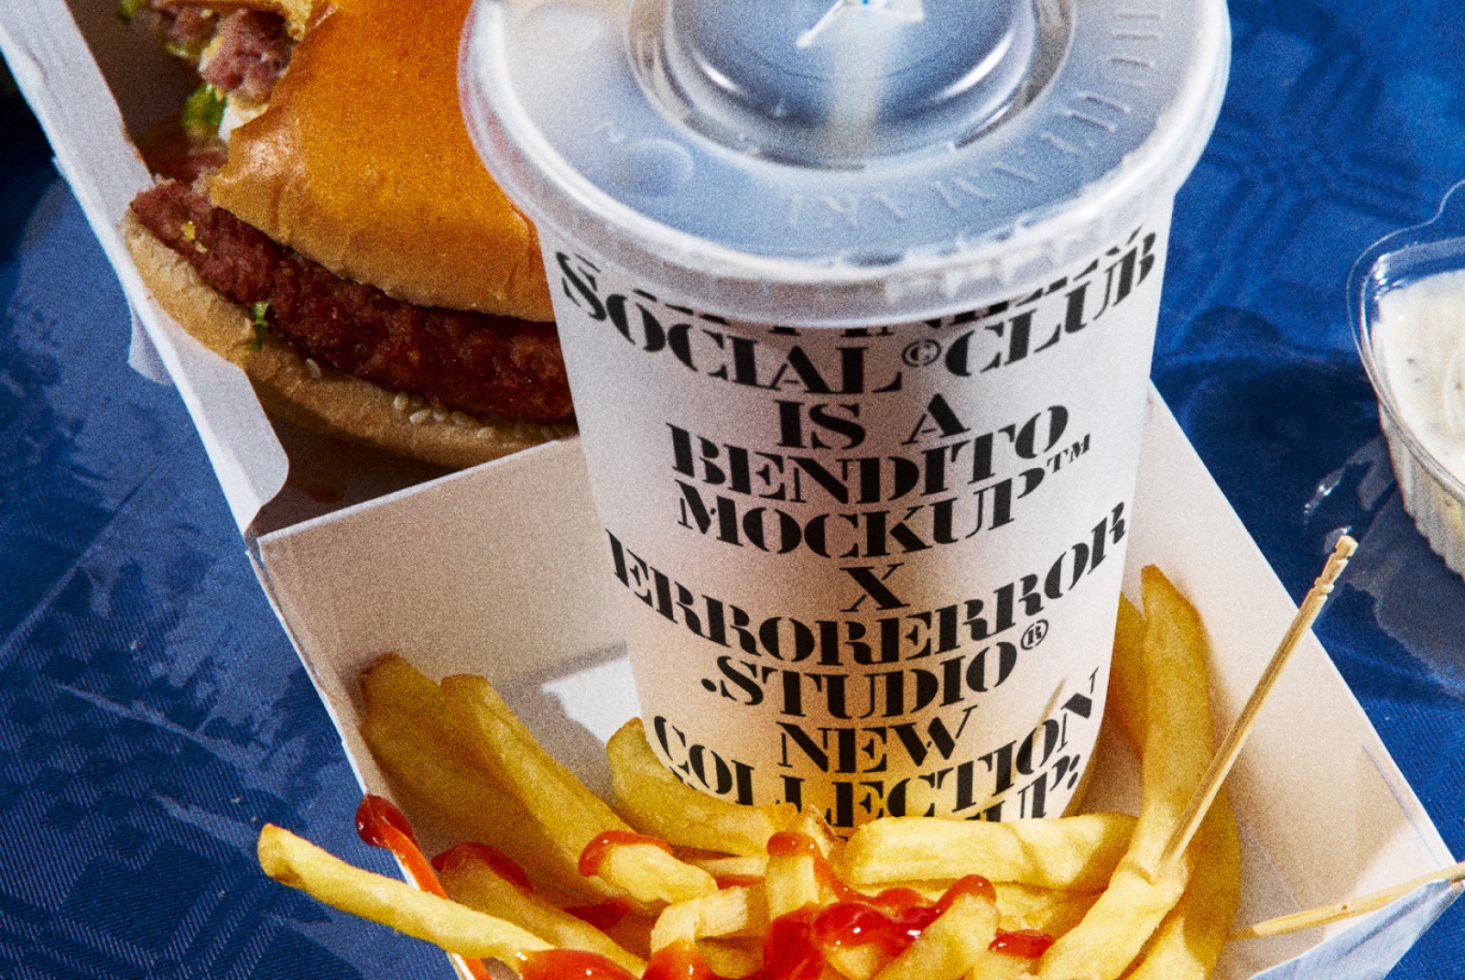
<point x="321" y="218"/>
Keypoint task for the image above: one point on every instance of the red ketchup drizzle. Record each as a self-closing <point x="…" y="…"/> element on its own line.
<point x="892" y="927"/>
<point x="796" y="941"/>
<point x="791" y="844"/>
<point x="737" y="881"/>
<point x="602" y="915"/>
<point x="891" y="919"/>
<point x="679" y="961"/>
<point x="469" y="854"/>
<point x="789" y="952"/>
<point x="787" y="843"/>
<point x="856" y="924"/>
<point x="1027" y="943"/>
<point x="595" y="852"/>
<point x="569" y="964"/>
<point x="380" y="824"/>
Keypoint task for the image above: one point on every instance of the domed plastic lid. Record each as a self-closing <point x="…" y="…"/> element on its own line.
<point x="842" y="161"/>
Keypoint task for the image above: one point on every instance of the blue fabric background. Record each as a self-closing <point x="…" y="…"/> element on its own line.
<point x="153" y="714"/>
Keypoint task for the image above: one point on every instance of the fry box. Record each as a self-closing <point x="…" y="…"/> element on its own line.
<point x="475" y="570"/>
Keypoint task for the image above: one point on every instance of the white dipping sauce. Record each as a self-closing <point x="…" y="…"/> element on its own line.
<point x="1419" y="341"/>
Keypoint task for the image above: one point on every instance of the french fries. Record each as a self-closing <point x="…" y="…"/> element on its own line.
<point x="424" y="755"/>
<point x="653" y="798"/>
<point x="571" y="814"/>
<point x="737" y="911"/>
<point x="1189" y="940"/>
<point x="456" y="928"/>
<point x="474" y="881"/>
<point x="791" y="883"/>
<point x="1044" y="910"/>
<point x="696" y="880"/>
<point x="950" y="946"/>
<point x="1175" y="735"/>
<point x="1071" y="853"/>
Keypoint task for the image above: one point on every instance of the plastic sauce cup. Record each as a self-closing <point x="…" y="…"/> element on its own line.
<point x="857" y="301"/>
<point x="1406" y="295"/>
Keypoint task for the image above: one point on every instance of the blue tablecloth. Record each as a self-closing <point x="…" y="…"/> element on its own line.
<point x="153" y="714"/>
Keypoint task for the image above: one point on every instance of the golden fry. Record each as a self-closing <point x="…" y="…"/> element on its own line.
<point x="857" y="962"/>
<point x="456" y="928"/>
<point x="1049" y="910"/>
<point x="790" y="883"/>
<point x="728" y="912"/>
<point x="1189" y="941"/>
<point x="571" y="814"/>
<point x="1000" y="966"/>
<point x="1126" y="706"/>
<point x="730" y="958"/>
<point x="658" y="803"/>
<point x="733" y="866"/>
<point x="406" y="725"/>
<point x="1176" y="750"/>
<point x="1073" y="853"/>
<point x="649" y="874"/>
<point x="553" y="793"/>
<point x="948" y="947"/>
<point x="474" y="883"/>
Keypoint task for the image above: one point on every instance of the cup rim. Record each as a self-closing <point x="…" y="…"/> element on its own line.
<point x="757" y="287"/>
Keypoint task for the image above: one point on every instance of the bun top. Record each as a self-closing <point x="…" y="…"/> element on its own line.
<point x="362" y="162"/>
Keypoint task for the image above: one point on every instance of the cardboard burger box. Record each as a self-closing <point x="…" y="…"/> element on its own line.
<point x="472" y="570"/>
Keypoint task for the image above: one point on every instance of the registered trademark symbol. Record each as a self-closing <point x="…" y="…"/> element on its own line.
<point x="1034" y="634"/>
<point x="919" y="353"/>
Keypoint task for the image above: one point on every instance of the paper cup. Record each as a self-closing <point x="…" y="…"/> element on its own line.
<point x="857" y="303"/>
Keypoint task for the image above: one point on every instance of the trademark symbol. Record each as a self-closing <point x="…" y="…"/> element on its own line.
<point x="1034" y="634"/>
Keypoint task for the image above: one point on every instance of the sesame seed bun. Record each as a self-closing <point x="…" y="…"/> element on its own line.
<point x="362" y="162"/>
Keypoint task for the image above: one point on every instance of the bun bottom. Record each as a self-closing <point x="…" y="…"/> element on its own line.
<point x="316" y="396"/>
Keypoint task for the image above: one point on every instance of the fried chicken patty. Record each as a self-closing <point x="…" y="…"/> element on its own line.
<point x="464" y="360"/>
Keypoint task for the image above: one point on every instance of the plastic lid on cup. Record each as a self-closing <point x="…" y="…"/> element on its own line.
<point x="838" y="162"/>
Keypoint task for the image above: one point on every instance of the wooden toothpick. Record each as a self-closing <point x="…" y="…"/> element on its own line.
<point x="1326" y="914"/>
<point x="1225" y="757"/>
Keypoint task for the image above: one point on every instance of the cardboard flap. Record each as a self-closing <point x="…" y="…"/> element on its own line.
<point x="142" y="356"/>
<point x="499" y="569"/>
<point x="49" y="55"/>
<point x="1373" y="944"/>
